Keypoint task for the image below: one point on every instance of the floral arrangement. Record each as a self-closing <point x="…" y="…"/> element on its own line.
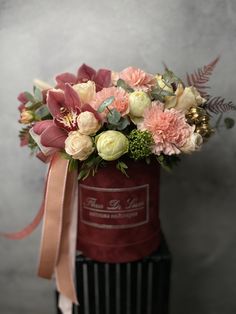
<point x="96" y="117"/>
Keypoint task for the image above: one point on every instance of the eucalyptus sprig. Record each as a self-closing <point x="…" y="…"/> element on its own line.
<point x="114" y="119"/>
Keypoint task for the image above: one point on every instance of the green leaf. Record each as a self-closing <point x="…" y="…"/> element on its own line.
<point x="42" y="112"/>
<point x="122" y="167"/>
<point x="89" y="166"/>
<point x="83" y="174"/>
<point x="107" y="102"/>
<point x="229" y="123"/>
<point x="29" y="96"/>
<point x="168" y="162"/>
<point x="169" y="77"/>
<point x="167" y="93"/>
<point x="65" y="155"/>
<point x="121" y="83"/>
<point x="29" y="104"/>
<point x="38" y="94"/>
<point x="113" y="117"/>
<point x="73" y="164"/>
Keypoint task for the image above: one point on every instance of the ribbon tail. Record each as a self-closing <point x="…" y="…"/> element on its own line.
<point x="52" y="225"/>
<point x="19" y="235"/>
<point x="28" y="229"/>
<point x="65" y="269"/>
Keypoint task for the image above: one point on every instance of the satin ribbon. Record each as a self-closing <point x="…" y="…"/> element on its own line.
<point x="58" y="242"/>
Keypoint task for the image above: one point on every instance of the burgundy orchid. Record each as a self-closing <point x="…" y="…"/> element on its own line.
<point x="102" y="77"/>
<point x="65" y="106"/>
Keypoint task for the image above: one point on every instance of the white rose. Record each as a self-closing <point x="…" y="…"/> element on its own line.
<point x="78" y="145"/>
<point x="193" y="143"/>
<point x="87" y="123"/>
<point x="86" y="91"/>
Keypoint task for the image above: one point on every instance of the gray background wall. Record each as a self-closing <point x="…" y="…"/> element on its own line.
<point x="42" y="38"/>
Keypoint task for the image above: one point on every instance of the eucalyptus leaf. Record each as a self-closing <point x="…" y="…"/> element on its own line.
<point x="107" y="102"/>
<point x="113" y="117"/>
<point x="121" y="83"/>
<point x="123" y="124"/>
<point x="38" y="94"/>
<point x="29" y="96"/>
<point x="42" y="112"/>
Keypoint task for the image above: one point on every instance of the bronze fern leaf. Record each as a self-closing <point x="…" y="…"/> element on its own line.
<point x="219" y="105"/>
<point x="201" y="76"/>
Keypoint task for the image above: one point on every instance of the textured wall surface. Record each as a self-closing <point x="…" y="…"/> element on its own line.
<point x="198" y="212"/>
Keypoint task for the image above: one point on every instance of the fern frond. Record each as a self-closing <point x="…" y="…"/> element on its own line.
<point x="201" y="76"/>
<point x="219" y="105"/>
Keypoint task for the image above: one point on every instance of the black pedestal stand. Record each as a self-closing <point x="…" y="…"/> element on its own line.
<point x="140" y="287"/>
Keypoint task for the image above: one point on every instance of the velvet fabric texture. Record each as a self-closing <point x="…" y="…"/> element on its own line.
<point x="119" y="216"/>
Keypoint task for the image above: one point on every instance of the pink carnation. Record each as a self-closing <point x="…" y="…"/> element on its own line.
<point x="137" y="78"/>
<point x="168" y="127"/>
<point x="121" y="102"/>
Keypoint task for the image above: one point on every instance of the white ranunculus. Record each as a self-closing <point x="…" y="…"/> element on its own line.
<point x="111" y="145"/>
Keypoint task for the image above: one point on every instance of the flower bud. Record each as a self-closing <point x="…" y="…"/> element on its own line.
<point x="26" y="116"/>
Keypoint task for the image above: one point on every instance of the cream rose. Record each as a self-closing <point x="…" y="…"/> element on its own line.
<point x="184" y="98"/>
<point x="87" y="123"/>
<point x="78" y="145"/>
<point x="194" y="143"/>
<point x="86" y="91"/>
<point x="111" y="145"/>
<point x="26" y="116"/>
